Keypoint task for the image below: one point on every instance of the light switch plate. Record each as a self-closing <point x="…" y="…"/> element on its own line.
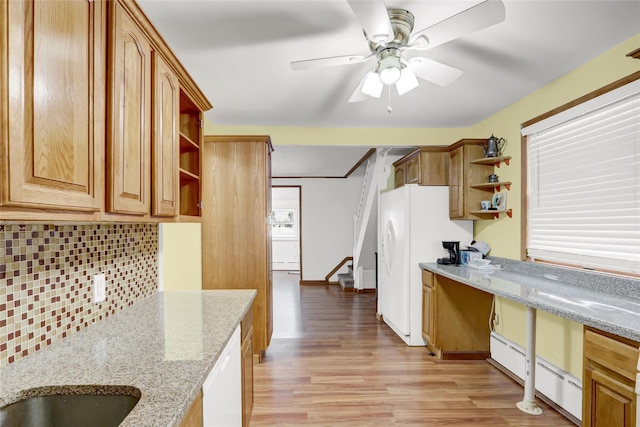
<point x="99" y="291"/>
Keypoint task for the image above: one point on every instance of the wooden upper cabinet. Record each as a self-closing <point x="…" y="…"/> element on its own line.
<point x="400" y="175"/>
<point x="428" y="165"/>
<point x="129" y="116"/>
<point x="166" y="111"/>
<point x="52" y="105"/>
<point x="456" y="182"/>
<point x="464" y="200"/>
<point x="413" y="169"/>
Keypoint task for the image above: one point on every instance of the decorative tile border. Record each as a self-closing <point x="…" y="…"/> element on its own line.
<point x="46" y="273"/>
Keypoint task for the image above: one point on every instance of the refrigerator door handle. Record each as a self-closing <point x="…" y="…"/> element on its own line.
<point x="388" y="243"/>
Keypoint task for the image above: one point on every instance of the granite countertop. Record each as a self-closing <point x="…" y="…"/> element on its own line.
<point x="164" y="346"/>
<point x="604" y="302"/>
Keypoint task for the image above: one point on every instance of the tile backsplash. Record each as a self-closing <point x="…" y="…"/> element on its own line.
<point x="46" y="279"/>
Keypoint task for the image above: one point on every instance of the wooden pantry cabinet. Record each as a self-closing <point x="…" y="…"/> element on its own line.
<point x="610" y="366"/>
<point x="93" y="123"/>
<point x="52" y="107"/>
<point x="246" y="334"/>
<point x="236" y="234"/>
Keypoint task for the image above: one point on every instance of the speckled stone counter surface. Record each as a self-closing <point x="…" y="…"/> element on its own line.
<point x="163" y="346"/>
<point x="605" y="302"/>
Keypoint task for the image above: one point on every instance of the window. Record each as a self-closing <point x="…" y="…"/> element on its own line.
<point x="583" y="183"/>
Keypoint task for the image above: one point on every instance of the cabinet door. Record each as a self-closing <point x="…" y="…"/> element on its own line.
<point x="427" y="314"/>
<point x="413" y="170"/>
<point x="434" y="168"/>
<point x="52" y="140"/>
<point x="193" y="417"/>
<point x="129" y="137"/>
<point x="399" y="177"/>
<point x="610" y="401"/>
<point x="166" y="95"/>
<point x="247" y="378"/>
<point x="456" y="182"/>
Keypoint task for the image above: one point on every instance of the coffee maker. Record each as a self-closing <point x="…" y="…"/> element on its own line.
<point x="454" y="253"/>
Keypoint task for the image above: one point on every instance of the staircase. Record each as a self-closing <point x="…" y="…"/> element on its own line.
<point x="346" y="279"/>
<point x="365" y="220"/>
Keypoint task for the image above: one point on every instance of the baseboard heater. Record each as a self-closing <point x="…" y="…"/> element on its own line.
<point x="559" y="386"/>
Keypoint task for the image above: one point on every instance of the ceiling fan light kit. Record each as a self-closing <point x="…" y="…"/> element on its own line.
<point x="388" y="32"/>
<point x="389" y="68"/>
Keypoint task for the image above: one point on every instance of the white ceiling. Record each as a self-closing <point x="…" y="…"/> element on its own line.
<point x="238" y="52"/>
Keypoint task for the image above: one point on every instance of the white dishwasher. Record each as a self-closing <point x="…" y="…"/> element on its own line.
<point x="222" y="390"/>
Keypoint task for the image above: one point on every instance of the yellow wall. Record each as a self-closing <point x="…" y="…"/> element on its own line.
<point x="281" y="135"/>
<point x="181" y="256"/>
<point x="503" y="235"/>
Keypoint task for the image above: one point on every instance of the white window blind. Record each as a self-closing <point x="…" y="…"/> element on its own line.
<point x="584" y="183"/>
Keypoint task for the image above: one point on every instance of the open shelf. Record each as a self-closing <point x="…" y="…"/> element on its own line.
<point x="190" y="158"/>
<point x="186" y="175"/>
<point x="494" y="213"/>
<point x="492" y="186"/>
<point x="492" y="161"/>
<point x="187" y="144"/>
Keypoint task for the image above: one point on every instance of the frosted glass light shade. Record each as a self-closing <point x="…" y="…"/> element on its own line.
<point x="372" y="85"/>
<point x="389" y="70"/>
<point x="407" y="82"/>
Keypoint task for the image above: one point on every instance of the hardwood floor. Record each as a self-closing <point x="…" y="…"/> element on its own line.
<point x="331" y="363"/>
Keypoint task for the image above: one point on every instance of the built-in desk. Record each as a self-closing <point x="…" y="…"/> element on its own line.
<point x="603" y="303"/>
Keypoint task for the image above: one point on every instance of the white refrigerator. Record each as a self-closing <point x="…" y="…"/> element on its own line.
<point x="413" y="222"/>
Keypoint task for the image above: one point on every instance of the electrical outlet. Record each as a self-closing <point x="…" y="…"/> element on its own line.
<point x="496" y="319"/>
<point x="99" y="288"/>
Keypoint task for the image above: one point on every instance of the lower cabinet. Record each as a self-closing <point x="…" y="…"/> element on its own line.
<point x="193" y="417"/>
<point x="455" y="318"/>
<point x="246" y="329"/>
<point x="610" y="369"/>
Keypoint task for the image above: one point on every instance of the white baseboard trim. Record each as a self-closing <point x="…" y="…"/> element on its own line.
<point x="556" y="384"/>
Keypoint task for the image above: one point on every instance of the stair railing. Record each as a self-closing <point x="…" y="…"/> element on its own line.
<point x="337" y="267"/>
<point x="375" y="167"/>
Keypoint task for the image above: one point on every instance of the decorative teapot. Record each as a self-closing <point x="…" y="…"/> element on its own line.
<point x="494" y="146"/>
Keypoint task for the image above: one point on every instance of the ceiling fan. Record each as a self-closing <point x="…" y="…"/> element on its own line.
<point x="388" y="32"/>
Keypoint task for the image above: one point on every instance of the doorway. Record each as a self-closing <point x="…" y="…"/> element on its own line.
<point x="286" y="229"/>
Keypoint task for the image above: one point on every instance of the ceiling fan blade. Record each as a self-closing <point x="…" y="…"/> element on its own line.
<point x="328" y="62"/>
<point x="357" y="95"/>
<point x="433" y="71"/>
<point x="374" y="18"/>
<point x="485" y="14"/>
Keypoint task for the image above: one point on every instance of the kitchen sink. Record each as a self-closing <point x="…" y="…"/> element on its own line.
<point x="64" y="410"/>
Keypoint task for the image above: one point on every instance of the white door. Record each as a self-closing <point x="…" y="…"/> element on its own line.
<point x="393" y="285"/>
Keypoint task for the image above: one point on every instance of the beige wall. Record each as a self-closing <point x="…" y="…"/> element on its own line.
<point x="180" y="256"/>
<point x="503" y="235"/>
<point x="343" y="136"/>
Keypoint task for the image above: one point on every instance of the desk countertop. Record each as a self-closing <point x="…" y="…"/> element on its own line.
<point x="592" y="304"/>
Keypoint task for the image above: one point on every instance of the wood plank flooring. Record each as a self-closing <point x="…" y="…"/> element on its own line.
<point x="331" y="363"/>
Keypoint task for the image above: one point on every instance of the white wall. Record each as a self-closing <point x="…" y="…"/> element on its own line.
<point x="285" y="252"/>
<point x="328" y="207"/>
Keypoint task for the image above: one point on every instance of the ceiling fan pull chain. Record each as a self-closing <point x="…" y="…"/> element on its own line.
<point x="389" y="109"/>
